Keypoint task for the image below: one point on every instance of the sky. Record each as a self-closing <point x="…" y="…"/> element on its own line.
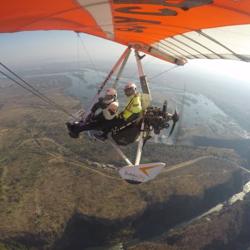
<point x="27" y="48"/>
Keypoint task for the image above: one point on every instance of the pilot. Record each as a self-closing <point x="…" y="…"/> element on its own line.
<point x="104" y="110"/>
<point x="130" y="113"/>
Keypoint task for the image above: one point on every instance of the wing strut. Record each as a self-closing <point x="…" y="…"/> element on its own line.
<point x="119" y="151"/>
<point x="146" y="99"/>
<point x="146" y="96"/>
<point x="137" y="173"/>
<point x="121" y="70"/>
<point x="113" y="70"/>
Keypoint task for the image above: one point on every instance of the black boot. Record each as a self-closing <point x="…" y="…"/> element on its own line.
<point x="73" y="129"/>
<point x="74" y="135"/>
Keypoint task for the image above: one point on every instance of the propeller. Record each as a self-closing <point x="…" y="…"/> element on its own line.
<point x="175" y="119"/>
<point x="164" y="107"/>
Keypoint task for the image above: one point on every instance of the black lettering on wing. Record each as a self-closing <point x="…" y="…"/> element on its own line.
<point x="133" y="10"/>
<point x="184" y="5"/>
<point x="133" y="28"/>
<point x="123" y="19"/>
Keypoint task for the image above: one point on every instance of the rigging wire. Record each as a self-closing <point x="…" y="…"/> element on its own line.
<point x="23" y="86"/>
<point x="163" y="72"/>
<point x="78" y="59"/>
<point x="32" y="89"/>
<point x="88" y="55"/>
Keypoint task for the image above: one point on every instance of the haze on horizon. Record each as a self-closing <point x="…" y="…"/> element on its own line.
<point x="28" y="49"/>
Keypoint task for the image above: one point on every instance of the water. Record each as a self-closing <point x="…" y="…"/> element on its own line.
<point x="200" y="116"/>
<point x="240" y="196"/>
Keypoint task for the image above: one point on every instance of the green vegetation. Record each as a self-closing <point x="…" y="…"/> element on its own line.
<point x="48" y="179"/>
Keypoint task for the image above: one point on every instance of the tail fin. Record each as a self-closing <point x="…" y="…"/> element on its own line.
<point x="141" y="173"/>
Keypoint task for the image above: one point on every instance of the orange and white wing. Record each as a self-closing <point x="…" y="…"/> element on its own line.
<point x="173" y="30"/>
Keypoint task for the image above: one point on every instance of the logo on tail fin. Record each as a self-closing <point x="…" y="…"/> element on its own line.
<point x="147" y="168"/>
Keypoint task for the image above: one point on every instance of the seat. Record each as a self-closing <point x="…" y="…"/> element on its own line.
<point x="127" y="134"/>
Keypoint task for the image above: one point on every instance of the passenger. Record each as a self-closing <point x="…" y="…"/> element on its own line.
<point x="104" y="110"/>
<point x="130" y="113"/>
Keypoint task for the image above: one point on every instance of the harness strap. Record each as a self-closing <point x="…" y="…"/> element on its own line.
<point x="129" y="104"/>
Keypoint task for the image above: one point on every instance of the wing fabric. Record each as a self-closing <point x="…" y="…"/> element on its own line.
<point x="168" y="29"/>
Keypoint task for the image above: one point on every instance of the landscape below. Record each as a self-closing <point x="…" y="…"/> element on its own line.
<point x="61" y="193"/>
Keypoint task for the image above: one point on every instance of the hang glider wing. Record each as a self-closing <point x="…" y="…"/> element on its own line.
<point x="173" y="30"/>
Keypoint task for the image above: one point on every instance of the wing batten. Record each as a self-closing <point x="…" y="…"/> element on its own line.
<point x="222" y="45"/>
<point x="169" y="48"/>
<point x="190" y="47"/>
<point x="202" y="45"/>
<point x="186" y="53"/>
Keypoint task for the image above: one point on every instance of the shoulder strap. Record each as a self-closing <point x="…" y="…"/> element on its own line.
<point x="130" y="102"/>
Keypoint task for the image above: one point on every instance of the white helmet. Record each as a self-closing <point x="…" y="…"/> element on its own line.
<point x="113" y="106"/>
<point x="111" y="91"/>
<point x="110" y="112"/>
<point x="130" y="89"/>
<point x="130" y="85"/>
<point x="110" y="95"/>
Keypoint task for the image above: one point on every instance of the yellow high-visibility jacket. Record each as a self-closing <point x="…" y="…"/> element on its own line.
<point x="133" y="106"/>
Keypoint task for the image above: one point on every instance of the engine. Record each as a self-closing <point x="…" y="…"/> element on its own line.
<point x="157" y="119"/>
